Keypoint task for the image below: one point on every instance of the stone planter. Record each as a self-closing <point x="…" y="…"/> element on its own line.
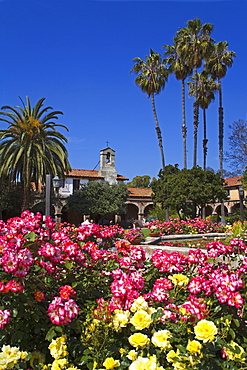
<point x="136" y="241"/>
<point x="154" y="234"/>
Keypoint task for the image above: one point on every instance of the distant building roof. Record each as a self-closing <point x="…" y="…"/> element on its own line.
<point x="140" y="192"/>
<point x="233" y="181"/>
<point x="90" y="174"/>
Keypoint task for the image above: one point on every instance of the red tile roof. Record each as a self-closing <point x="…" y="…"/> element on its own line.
<point x="233" y="181"/>
<point x="139" y="192"/>
<point x="92" y="174"/>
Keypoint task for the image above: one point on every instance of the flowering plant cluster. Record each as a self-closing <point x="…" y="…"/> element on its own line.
<point x="177" y="226"/>
<point x="75" y="302"/>
<point x="132" y="234"/>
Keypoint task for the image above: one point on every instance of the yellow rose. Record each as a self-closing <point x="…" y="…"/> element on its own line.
<point x="120" y="319"/>
<point x="139" y="340"/>
<point x="59" y="364"/>
<point x="179" y="280"/>
<point x="141" y="320"/>
<point x="9" y="356"/>
<point x="121" y="351"/>
<point x="110" y="363"/>
<point x="139" y="304"/>
<point x="194" y="346"/>
<point x="172" y="356"/>
<point x="132" y="355"/>
<point x="179" y="366"/>
<point x="143" y="363"/>
<point x="205" y="330"/>
<point x="58" y="348"/>
<point x="160" y="339"/>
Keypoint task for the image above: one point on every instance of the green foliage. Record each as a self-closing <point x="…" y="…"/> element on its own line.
<point x="160" y="213"/>
<point x="99" y="198"/>
<point x="140" y="182"/>
<point x="31" y="146"/>
<point x="184" y="190"/>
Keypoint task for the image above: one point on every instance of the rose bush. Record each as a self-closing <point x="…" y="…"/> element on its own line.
<point x="177" y="226"/>
<point x="85" y="298"/>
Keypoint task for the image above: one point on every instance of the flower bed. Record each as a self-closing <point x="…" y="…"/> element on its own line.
<point x="177" y="226"/>
<point x="83" y="298"/>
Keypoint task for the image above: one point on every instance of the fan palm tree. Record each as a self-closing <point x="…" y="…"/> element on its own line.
<point x="195" y="43"/>
<point x="176" y="62"/>
<point x="31" y="147"/>
<point x="220" y="59"/>
<point x="152" y="76"/>
<point x="204" y="88"/>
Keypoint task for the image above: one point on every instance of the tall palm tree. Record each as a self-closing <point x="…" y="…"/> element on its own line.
<point x="220" y="59"/>
<point x="204" y="87"/>
<point x="31" y="147"/>
<point x="152" y="76"/>
<point x="177" y="64"/>
<point x="195" y="43"/>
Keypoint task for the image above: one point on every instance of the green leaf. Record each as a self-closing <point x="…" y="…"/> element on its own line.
<point x="50" y="334"/>
<point x="68" y="265"/>
<point x="30" y="236"/>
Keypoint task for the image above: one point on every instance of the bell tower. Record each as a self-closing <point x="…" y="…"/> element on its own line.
<point x="107" y="165"/>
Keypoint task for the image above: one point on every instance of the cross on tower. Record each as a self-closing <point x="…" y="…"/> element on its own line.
<point x="107" y="144"/>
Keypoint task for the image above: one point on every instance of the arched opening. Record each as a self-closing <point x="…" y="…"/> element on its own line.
<point x="147" y="210"/>
<point x="218" y="210"/>
<point x="132" y="212"/>
<point x="208" y="210"/>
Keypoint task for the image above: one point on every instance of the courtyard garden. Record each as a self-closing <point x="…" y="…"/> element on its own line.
<point x="86" y="298"/>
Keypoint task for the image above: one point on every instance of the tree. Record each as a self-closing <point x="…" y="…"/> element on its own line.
<point x="217" y="64"/>
<point x="31" y="147"/>
<point x="237" y="140"/>
<point x="140" y="182"/>
<point x="220" y="59"/>
<point x="203" y="87"/>
<point x="160" y="186"/>
<point x="152" y="76"/>
<point x="195" y="43"/>
<point x="98" y="198"/>
<point x="187" y="190"/>
<point x="177" y="64"/>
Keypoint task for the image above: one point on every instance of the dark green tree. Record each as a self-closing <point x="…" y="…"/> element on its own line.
<point x="140" y="182"/>
<point x="31" y="146"/>
<point x="152" y="76"/>
<point x="99" y="198"/>
<point x="188" y="191"/>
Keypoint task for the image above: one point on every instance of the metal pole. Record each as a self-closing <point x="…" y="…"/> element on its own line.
<point x="241" y="200"/>
<point x="48" y="196"/>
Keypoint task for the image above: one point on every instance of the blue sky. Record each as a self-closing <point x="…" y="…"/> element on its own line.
<point x="78" y="55"/>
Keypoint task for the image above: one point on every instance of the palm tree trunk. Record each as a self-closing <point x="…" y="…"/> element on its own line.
<point x="221" y="130"/>
<point x="26" y="185"/>
<point x="221" y="136"/>
<point x="184" y="128"/>
<point x="157" y="128"/>
<point x="205" y="140"/>
<point x="196" y="122"/>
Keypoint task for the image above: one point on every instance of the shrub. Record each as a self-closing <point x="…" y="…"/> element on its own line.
<point x="84" y="297"/>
